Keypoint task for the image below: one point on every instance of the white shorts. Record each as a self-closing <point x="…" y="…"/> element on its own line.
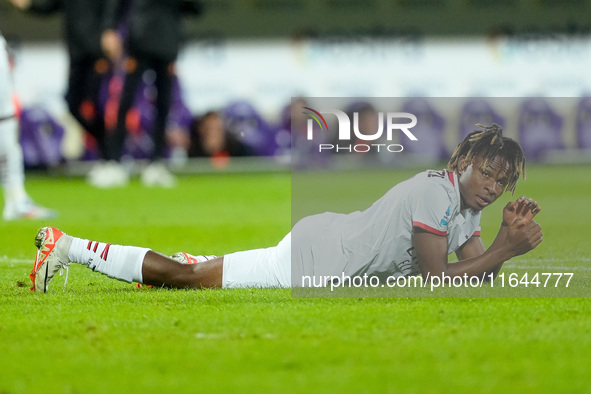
<point x="270" y="267"/>
<point x="6" y="105"/>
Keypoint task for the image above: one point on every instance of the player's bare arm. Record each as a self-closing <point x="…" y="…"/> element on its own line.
<point x="522" y="209"/>
<point x="518" y="235"/>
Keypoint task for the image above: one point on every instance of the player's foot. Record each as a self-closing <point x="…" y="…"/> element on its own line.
<point x="157" y="175"/>
<point x="95" y="172"/>
<point x="186" y="258"/>
<point x="52" y="255"/>
<point x="108" y="175"/>
<point x="27" y="209"/>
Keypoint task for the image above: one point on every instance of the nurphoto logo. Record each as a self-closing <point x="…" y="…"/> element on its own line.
<point x="395" y="121"/>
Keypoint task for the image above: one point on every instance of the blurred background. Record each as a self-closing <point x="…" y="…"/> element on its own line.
<point x="242" y="62"/>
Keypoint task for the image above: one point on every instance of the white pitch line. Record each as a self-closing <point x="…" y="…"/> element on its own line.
<point x="554" y="260"/>
<point x="548" y="267"/>
<point x="551" y="263"/>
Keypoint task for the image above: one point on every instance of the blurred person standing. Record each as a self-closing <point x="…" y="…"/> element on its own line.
<point x="153" y="41"/>
<point x="83" y="27"/>
<point x="17" y="203"/>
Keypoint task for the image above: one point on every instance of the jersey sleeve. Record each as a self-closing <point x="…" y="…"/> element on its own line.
<point x="431" y="208"/>
<point x="475" y="220"/>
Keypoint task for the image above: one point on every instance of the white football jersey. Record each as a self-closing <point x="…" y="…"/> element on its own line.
<point x="378" y="240"/>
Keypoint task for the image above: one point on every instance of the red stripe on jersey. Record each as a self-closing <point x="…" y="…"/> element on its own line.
<point x="429" y="228"/>
<point x="105" y="252"/>
<point x="450" y="175"/>
<point x="89" y="245"/>
<point x="95" y="247"/>
<point x="476" y="234"/>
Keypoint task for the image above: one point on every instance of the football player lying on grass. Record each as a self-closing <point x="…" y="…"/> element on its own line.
<point x="409" y="231"/>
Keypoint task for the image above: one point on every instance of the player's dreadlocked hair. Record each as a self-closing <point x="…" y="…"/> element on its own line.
<point x="488" y="144"/>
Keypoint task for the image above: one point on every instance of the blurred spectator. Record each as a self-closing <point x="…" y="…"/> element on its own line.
<point x="248" y="126"/>
<point x="83" y="27"/>
<point x="209" y="138"/>
<point x="154" y="37"/>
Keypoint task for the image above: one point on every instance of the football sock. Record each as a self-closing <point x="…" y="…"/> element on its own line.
<point x="116" y="261"/>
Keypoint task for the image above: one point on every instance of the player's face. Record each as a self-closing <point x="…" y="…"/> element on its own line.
<point x="481" y="187"/>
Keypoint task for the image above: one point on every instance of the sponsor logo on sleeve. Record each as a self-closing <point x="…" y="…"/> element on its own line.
<point x="445" y="219"/>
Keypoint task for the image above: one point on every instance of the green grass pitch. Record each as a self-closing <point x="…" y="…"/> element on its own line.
<point x="101" y="335"/>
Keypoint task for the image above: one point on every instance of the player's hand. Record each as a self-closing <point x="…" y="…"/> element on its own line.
<point x="523" y="209"/>
<point x="521" y="237"/>
<point x="517" y="238"/>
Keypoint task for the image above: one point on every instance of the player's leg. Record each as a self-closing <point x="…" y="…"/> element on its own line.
<point x="269" y="267"/>
<point x="255" y="268"/>
<point x="82" y="97"/>
<point x="85" y="111"/>
<point x="57" y="250"/>
<point x="75" y="94"/>
<point x="95" y="80"/>
<point x="17" y="203"/>
<point x="112" y="173"/>
<point x="160" y="270"/>
<point x="115" y="139"/>
<point x="11" y="165"/>
<point x="164" y="80"/>
<point x="11" y="161"/>
<point x="156" y="173"/>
